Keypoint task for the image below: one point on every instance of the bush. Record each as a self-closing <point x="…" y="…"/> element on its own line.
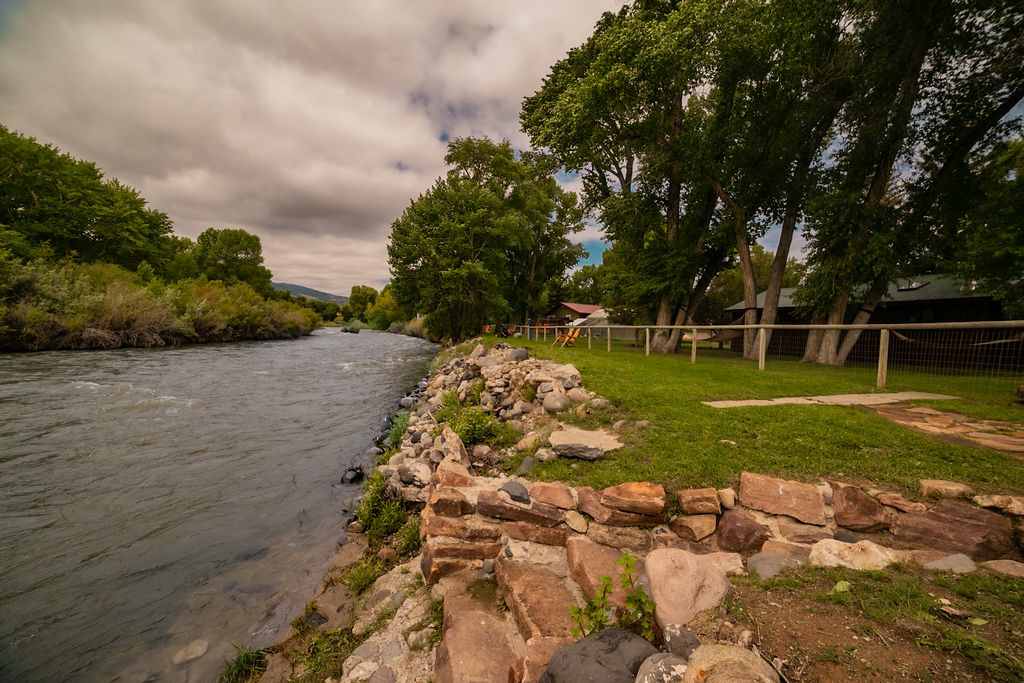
<point x="246" y="666"/>
<point x="363" y="573"/>
<point x="398" y="426"/>
<point x="407" y="540"/>
<point x="380" y="515"/>
<point x="64" y="305"/>
<point x="417" y="327"/>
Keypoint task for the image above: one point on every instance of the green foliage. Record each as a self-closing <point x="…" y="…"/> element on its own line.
<point x="66" y="305"/>
<point x="486" y="242"/>
<point x="52" y="200"/>
<point x="727" y="287"/>
<point x="990" y="244"/>
<point x="360" y="299"/>
<point x="598" y="613"/>
<point x="399" y="423"/>
<point x="595" y="615"/>
<point x="473" y="393"/>
<point x="586" y="285"/>
<point x="473" y="424"/>
<point x="380" y="515"/>
<point x="407" y="540"/>
<point x="232" y="255"/>
<point x="383" y="312"/>
<point x="246" y="667"/>
<point x="363" y="573"/>
<point x="638" y="614"/>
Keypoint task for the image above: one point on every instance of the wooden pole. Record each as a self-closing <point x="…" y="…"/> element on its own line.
<point x="647" y="341"/>
<point x="590" y="336"/>
<point x="693" y="346"/>
<point x="883" y="358"/>
<point x="762" y="350"/>
<point x="608" y="332"/>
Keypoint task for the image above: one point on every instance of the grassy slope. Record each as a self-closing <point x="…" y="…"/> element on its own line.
<point x="685" y="444"/>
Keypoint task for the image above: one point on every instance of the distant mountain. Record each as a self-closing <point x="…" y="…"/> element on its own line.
<point x="309" y="293"/>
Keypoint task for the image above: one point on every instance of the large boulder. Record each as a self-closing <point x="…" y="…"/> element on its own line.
<point x="727" y="664"/>
<point x="959" y="528"/>
<point x="781" y="497"/>
<point x="683" y="585"/>
<point x="475" y="644"/>
<point x="610" y="656"/>
<point x="553" y="493"/>
<point x="538" y="599"/>
<point x="738" y="532"/>
<point x="693" y="527"/>
<point x="856" y="510"/>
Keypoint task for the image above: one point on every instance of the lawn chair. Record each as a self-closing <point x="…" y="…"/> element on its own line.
<point x="567" y="338"/>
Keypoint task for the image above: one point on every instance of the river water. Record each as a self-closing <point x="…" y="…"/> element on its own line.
<point x="149" y="498"/>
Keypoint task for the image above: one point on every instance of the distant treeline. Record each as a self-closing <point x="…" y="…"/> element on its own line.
<point x="85" y="263"/>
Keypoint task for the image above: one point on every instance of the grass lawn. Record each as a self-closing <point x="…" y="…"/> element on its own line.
<point x="689" y="444"/>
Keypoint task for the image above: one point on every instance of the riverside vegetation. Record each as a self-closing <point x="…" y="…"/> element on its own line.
<point x="86" y="264"/>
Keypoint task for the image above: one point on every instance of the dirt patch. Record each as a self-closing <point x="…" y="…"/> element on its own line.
<point x="898" y="632"/>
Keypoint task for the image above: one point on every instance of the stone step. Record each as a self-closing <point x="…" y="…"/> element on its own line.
<point x="538" y="599"/>
<point x="477" y="642"/>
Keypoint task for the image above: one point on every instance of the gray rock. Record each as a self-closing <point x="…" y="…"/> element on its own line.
<point x="611" y="656"/>
<point x="681" y="641"/>
<point x="662" y="668"/>
<point x="407" y="402"/>
<point x="958" y="564"/>
<point x="516" y="491"/>
<point x="517" y="354"/>
<point x="555" y="402"/>
<point x="415" y="473"/>
<point x="526" y="466"/>
<point x="771" y="563"/>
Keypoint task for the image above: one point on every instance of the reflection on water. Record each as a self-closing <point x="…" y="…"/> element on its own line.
<point x="152" y="497"/>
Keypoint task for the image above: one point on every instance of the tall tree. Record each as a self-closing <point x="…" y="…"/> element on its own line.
<point x="232" y="255"/>
<point x="487" y="242"/>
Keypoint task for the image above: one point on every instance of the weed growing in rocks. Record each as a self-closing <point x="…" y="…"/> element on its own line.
<point x="398" y="426"/>
<point x="327" y="652"/>
<point x="380" y="515"/>
<point x="407" y="539"/>
<point x="597" y="613"/>
<point x="247" y="665"/>
<point x="363" y="573"/>
<point x="473" y="424"/>
<point x="308" y="621"/>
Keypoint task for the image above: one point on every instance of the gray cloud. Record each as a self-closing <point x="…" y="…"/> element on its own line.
<point x="312" y="123"/>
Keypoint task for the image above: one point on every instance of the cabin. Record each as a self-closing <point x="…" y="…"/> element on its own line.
<point x="568" y="312"/>
<point x="932" y="298"/>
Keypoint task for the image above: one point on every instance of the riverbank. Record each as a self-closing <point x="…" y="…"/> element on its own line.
<point x="863" y="593"/>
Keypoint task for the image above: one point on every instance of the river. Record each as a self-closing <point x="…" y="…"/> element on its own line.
<point x="151" y="497"/>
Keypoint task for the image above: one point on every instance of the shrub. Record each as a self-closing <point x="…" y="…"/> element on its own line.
<point x="474" y="426"/>
<point x="417" y="327"/>
<point x="407" y="540"/>
<point x="380" y="515"/>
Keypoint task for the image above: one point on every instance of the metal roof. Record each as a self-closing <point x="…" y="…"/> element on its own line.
<point x="905" y="290"/>
<point x="583" y="309"/>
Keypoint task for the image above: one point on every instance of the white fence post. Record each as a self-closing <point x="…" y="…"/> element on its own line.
<point x="647" y="341"/>
<point x="883" y="358"/>
<point x="608" y="337"/>
<point x="589" y="339"/>
<point x="762" y="349"/>
<point x="693" y="345"/>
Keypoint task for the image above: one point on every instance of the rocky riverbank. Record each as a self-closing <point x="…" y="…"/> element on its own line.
<point x="520" y="580"/>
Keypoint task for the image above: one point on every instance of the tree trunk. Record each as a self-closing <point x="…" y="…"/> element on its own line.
<point x="770" y="309"/>
<point x="863" y="316"/>
<point x="830" y="339"/>
<point x="813" y="346"/>
<point x="749" y="286"/>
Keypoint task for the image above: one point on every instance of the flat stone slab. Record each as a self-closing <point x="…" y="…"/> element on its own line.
<point x="835" y="400"/>
<point x="1007" y="437"/>
<point x="585" y="444"/>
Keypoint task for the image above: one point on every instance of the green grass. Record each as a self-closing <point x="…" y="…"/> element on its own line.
<point x="363" y="573"/>
<point x="247" y="666"/>
<point x="688" y="444"/>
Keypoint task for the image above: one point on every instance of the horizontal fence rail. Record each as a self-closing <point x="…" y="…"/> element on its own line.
<point x="983" y="349"/>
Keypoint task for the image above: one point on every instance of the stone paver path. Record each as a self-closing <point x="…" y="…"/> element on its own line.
<point x="834" y="400"/>
<point x="1002" y="436"/>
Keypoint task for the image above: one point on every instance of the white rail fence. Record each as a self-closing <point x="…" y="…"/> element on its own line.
<point x="980" y="349"/>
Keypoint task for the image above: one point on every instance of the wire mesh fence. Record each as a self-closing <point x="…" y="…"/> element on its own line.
<point x="990" y="351"/>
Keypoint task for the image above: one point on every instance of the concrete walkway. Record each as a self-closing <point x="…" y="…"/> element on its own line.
<point x="834" y="400"/>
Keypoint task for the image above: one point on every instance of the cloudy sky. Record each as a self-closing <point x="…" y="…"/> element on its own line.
<point x="311" y="123"/>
